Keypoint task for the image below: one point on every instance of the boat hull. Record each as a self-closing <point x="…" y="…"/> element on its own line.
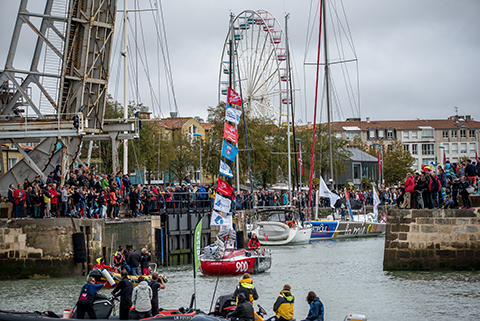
<point x="277" y="233"/>
<point x="328" y="230"/>
<point x="237" y="262"/>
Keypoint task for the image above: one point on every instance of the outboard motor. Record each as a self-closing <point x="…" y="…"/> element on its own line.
<point x="225" y="304"/>
<point x="102" y="305"/>
<point x="97" y="274"/>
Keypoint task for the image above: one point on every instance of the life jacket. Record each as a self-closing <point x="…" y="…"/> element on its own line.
<point x="85" y="296"/>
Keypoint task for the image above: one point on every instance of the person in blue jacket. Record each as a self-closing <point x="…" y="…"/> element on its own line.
<point x="316" y="311"/>
<point x="86" y="299"/>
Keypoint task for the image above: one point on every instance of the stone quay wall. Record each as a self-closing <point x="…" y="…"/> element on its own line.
<point x="428" y="240"/>
<point x="44" y="248"/>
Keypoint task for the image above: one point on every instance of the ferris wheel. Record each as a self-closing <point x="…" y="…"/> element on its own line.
<point x="260" y="64"/>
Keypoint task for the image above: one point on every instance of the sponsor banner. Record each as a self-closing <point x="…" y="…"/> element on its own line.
<point x="223" y="187"/>
<point x="229" y="151"/>
<point x="218" y="219"/>
<point x="232" y="115"/>
<point x="225" y="169"/>
<point x="233" y="98"/>
<point x="222" y="204"/>
<point x="230" y="133"/>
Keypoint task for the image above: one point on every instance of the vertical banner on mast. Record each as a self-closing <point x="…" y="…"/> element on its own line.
<point x="197" y="245"/>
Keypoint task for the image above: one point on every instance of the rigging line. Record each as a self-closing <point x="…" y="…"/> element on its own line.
<point x="346" y="76"/>
<point x="349" y="39"/>
<point x="159" y="79"/>
<point x="315" y="108"/>
<point x="137" y="14"/>
<point x="156" y="18"/>
<point x="160" y="44"/>
<point x="348" y="28"/>
<point x="147" y="71"/>
<point x="169" y="67"/>
<point x="119" y="42"/>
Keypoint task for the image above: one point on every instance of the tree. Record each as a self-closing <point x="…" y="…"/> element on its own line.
<point x="396" y="163"/>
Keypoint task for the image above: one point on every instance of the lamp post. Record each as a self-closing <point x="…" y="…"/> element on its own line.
<point x="200" y="143"/>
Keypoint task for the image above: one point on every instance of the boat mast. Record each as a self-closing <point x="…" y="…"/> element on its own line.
<point x="327" y="88"/>
<point x="288" y="101"/>
<point x="125" y="83"/>
<point x="290" y="92"/>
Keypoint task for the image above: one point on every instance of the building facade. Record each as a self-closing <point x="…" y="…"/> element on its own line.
<point x="427" y="140"/>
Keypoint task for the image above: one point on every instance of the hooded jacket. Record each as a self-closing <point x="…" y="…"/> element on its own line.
<point x="246" y="287"/>
<point x="316" y="310"/>
<point x="142" y="297"/>
<point x="244" y="310"/>
<point x="283" y="306"/>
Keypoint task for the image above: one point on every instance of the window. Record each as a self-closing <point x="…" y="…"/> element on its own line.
<point x="472" y="149"/>
<point x="414" y="149"/>
<point x="447" y="148"/>
<point x="356" y="171"/>
<point x="11" y="162"/>
<point x="428" y="149"/>
<point x="445" y="134"/>
<point x="454" y="148"/>
<point x="454" y="134"/>
<point x="390" y="134"/>
<point x="406" y="147"/>
<point x="463" y="133"/>
<point x="371" y="134"/>
<point x="471" y="133"/>
<point x="380" y="133"/>
<point x="414" y="134"/>
<point x="352" y="135"/>
<point x="427" y="133"/>
<point x="463" y="148"/>
<point x="193" y="129"/>
<point x="406" y="134"/>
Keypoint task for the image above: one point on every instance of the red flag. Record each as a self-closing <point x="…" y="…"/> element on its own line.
<point x="233" y="98"/>
<point x="265" y="236"/>
<point x="300" y="160"/>
<point x="444" y="158"/>
<point x="230" y="133"/>
<point x="224" y="188"/>
<point x="346" y="194"/>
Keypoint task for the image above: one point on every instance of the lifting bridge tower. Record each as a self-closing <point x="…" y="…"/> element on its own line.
<point x="74" y="40"/>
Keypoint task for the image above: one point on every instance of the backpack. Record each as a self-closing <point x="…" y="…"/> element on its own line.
<point x="85" y="296"/>
<point x="434" y="184"/>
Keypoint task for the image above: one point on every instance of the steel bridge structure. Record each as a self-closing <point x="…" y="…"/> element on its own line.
<point x="69" y="72"/>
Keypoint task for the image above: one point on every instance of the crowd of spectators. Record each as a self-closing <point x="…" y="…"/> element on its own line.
<point x="440" y="187"/>
<point x="87" y="194"/>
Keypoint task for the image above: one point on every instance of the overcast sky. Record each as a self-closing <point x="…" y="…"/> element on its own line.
<point x="416" y="59"/>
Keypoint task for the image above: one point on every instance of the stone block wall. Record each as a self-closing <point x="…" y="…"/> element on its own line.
<point x="432" y="240"/>
<point x="13" y="244"/>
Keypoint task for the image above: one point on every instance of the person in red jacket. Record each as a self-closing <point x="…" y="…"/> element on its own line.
<point x="101" y="264"/>
<point x="254" y="243"/>
<point x="409" y="190"/>
<point x="19" y="196"/>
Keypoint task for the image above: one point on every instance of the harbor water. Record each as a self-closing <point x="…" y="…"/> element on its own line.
<point x="346" y="275"/>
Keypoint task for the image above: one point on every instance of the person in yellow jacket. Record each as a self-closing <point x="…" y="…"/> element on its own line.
<point x="246" y="287"/>
<point x="283" y="306"/>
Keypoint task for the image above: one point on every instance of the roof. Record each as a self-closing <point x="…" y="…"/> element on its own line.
<point x="360" y="156"/>
<point x="406" y="124"/>
<point x="174" y="123"/>
<point x="207" y="126"/>
<point x="414" y="124"/>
